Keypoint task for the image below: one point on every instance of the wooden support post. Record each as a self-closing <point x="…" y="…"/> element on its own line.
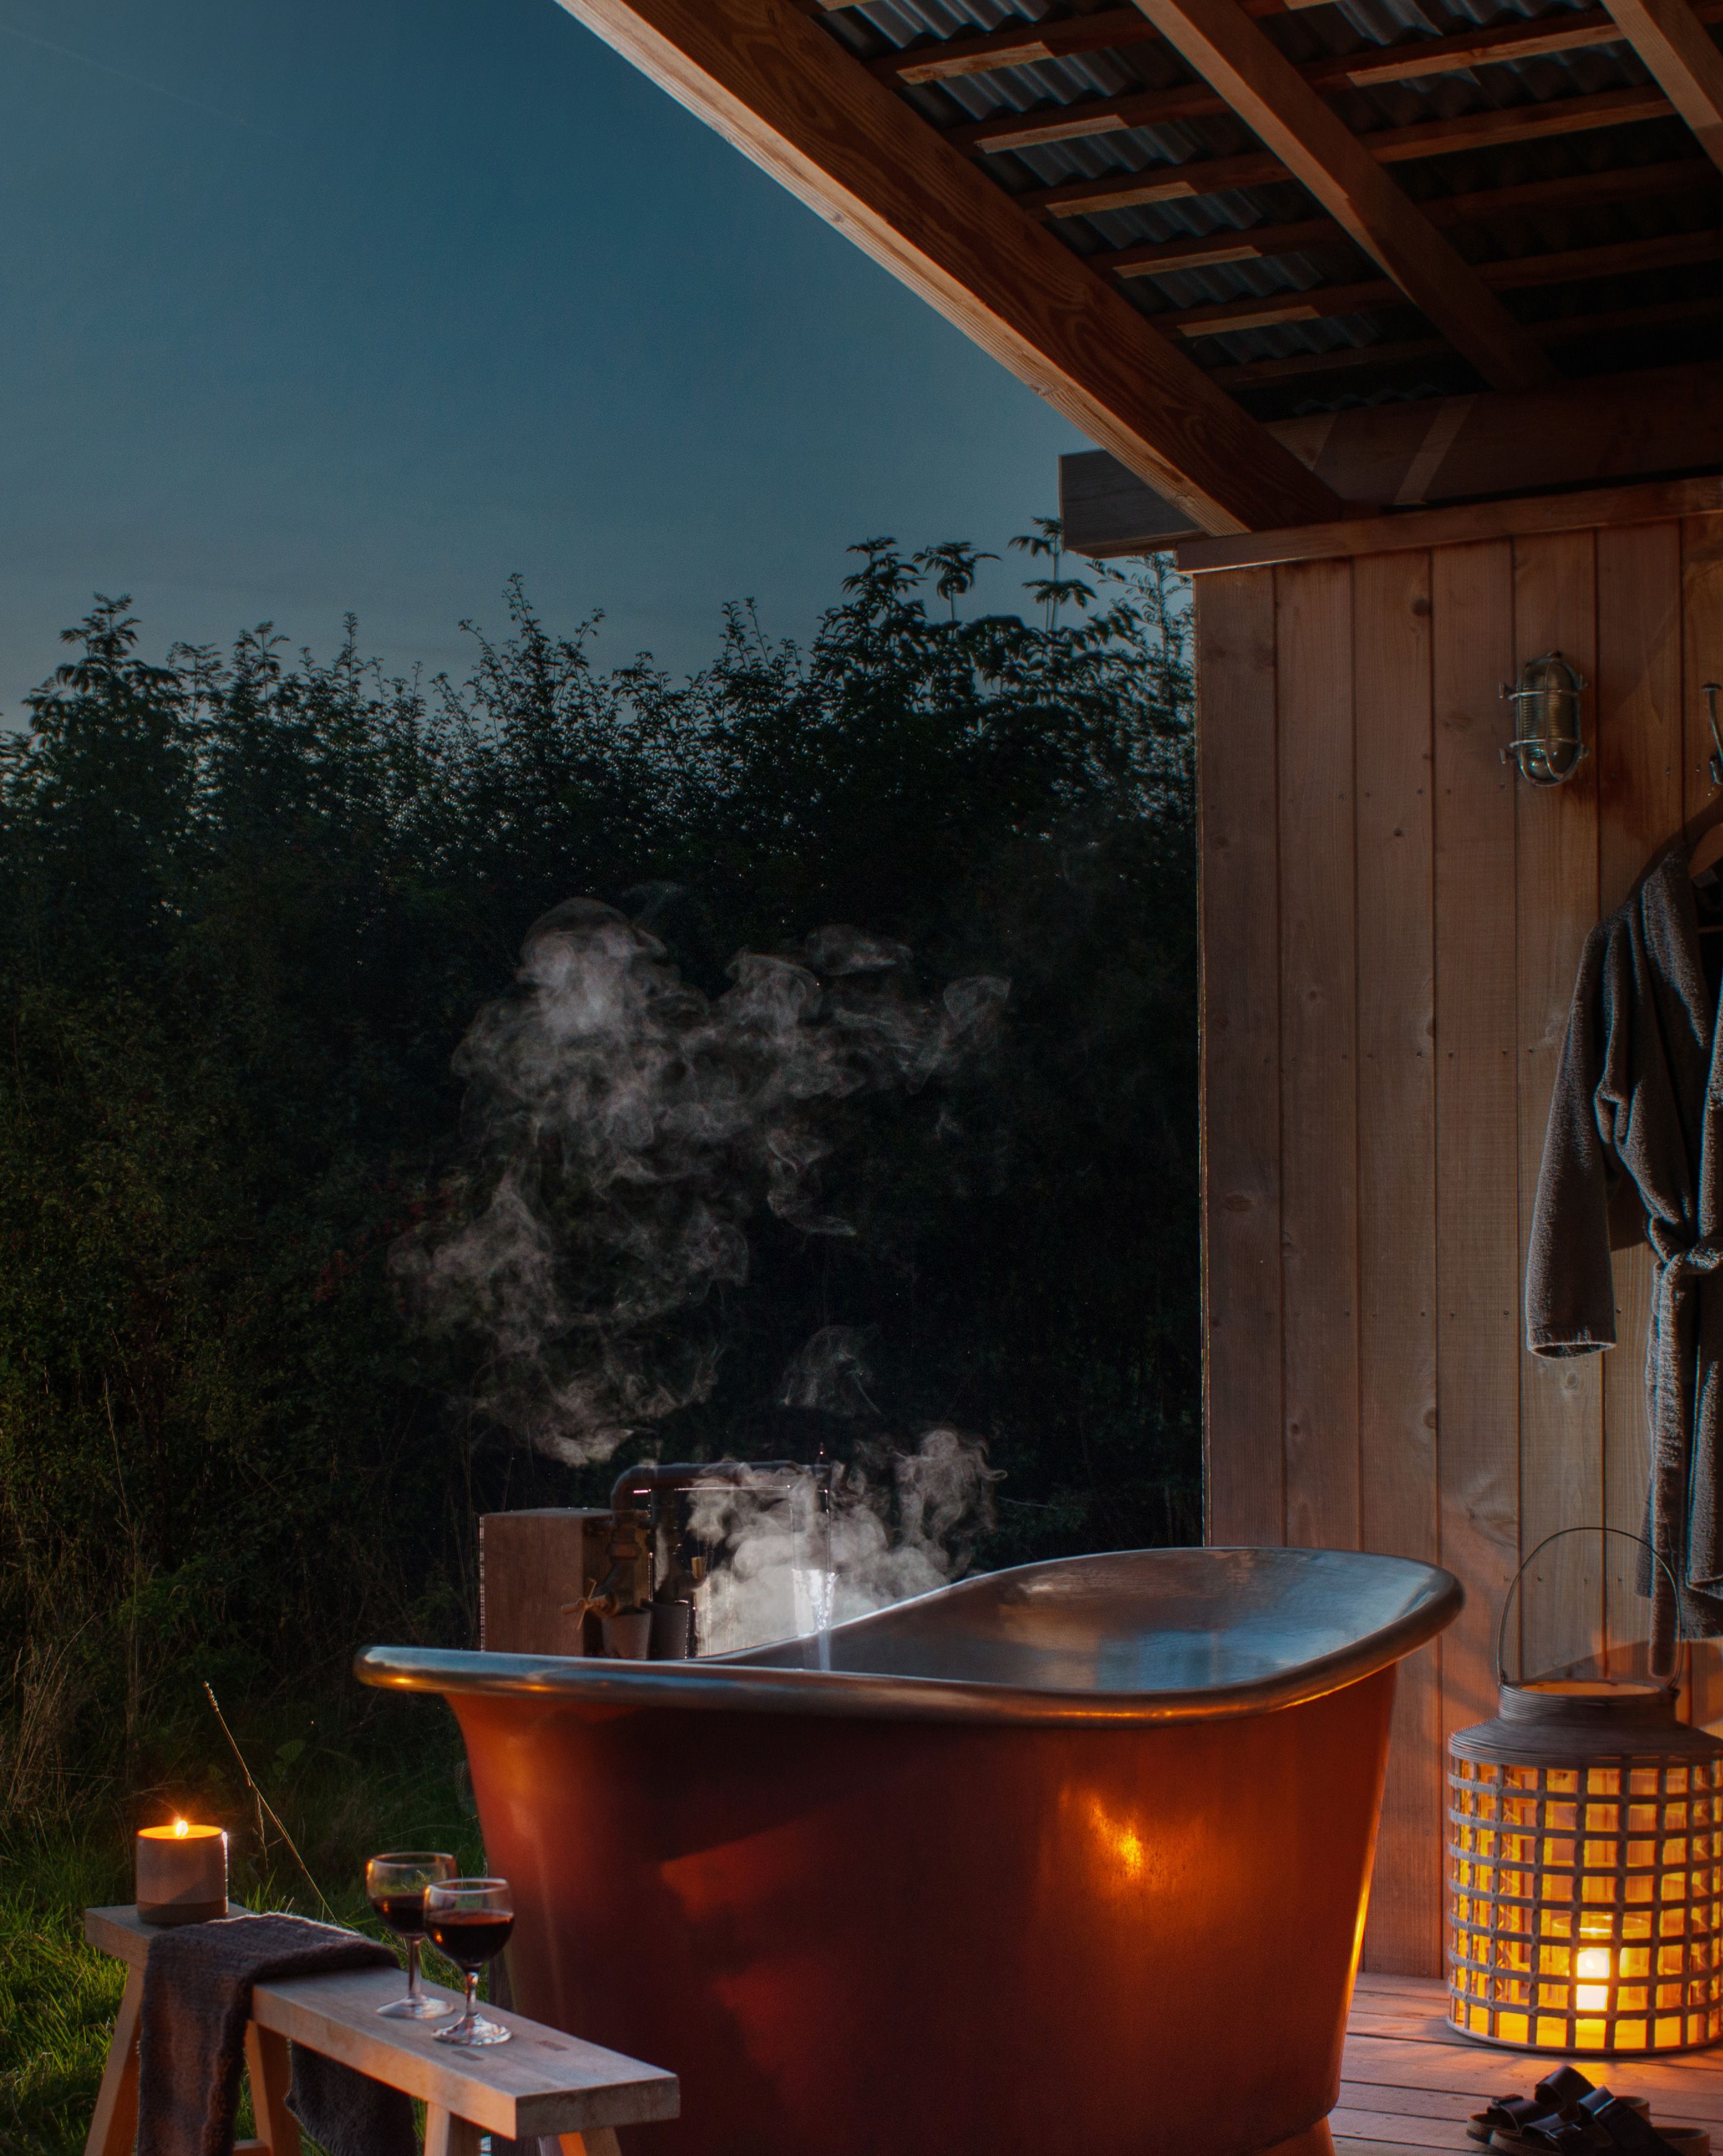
<point x="269" y="2070"/>
<point x="114" y="2125"/>
<point x="445" y="2135"/>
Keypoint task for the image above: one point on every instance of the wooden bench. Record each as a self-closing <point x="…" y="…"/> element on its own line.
<point x="544" y="2083"/>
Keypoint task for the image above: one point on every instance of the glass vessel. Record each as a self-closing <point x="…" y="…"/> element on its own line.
<point x="470" y="1920"/>
<point x="396" y="1884"/>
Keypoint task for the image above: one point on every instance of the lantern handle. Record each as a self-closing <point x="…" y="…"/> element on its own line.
<point x="1501" y="1629"/>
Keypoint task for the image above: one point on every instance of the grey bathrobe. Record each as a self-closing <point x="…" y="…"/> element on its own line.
<point x="1639" y="1094"/>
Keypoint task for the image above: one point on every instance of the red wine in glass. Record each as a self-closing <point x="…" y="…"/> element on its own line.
<point x="396" y="1885"/>
<point x="403" y="1913"/>
<point x="470" y="1920"/>
<point x="469" y="1941"/>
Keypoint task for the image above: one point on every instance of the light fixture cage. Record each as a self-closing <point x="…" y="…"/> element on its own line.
<point x="1585" y="1869"/>
<point x="1549" y="700"/>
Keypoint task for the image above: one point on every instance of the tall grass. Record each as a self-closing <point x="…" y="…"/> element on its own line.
<point x="402" y="1785"/>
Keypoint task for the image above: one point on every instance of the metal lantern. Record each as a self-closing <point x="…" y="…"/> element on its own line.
<point x="1549" y="743"/>
<point x="1584" y="1868"/>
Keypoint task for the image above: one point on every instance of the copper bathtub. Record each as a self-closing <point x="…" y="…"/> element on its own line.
<point x="1067" y="1860"/>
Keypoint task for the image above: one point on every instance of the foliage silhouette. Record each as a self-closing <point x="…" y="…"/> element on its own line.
<point x="250" y="902"/>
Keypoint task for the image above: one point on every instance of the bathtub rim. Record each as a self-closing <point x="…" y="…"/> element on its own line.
<point x="730" y="1683"/>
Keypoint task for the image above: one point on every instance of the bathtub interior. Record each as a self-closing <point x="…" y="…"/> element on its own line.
<point x="1137" y="1621"/>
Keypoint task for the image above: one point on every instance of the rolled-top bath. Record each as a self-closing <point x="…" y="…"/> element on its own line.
<point x="1071" y="1857"/>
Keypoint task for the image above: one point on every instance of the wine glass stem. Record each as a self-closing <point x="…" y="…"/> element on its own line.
<point x="472" y="1997"/>
<point x="413" y="1967"/>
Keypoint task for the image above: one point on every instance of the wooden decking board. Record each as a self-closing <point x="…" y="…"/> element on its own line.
<point x="1409" y="2103"/>
<point x="1398" y="2132"/>
<point x="1408" y="2082"/>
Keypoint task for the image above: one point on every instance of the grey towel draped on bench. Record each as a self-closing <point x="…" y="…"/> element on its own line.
<point x="197" y="2000"/>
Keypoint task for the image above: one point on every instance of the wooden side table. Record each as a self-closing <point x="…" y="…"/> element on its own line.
<point x="544" y="2083"/>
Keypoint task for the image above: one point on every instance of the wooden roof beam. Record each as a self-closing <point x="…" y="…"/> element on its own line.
<point x="1388" y="145"/>
<point x="1614" y="428"/>
<point x="1562" y="190"/>
<point x="1558" y="329"/>
<point x="1274" y="101"/>
<point x="1111" y="29"/>
<point x="1116" y="30"/>
<point x="786" y="93"/>
<point x="1266" y="242"/>
<point x="1334" y="302"/>
<point x="1671" y="38"/>
<point x="1385" y="146"/>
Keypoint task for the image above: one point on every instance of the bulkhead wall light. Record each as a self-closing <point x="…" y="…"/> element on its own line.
<point x="1549" y="743"/>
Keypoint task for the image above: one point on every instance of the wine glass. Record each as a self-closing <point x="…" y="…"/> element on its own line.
<point x="470" y="1920"/>
<point x="396" y="1884"/>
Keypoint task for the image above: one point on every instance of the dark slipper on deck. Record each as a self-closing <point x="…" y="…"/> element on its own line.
<point x="1566" y="2114"/>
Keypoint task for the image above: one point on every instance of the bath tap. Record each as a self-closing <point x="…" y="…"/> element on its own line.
<point x="637" y="1579"/>
<point x="651" y="1476"/>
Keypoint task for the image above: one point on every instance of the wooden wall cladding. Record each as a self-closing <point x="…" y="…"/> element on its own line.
<point x="1391" y="925"/>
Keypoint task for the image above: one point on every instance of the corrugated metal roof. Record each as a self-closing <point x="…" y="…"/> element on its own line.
<point x="1352" y="26"/>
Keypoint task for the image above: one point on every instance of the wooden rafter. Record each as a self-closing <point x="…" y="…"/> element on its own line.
<point x="1571" y="191"/>
<point x="1324" y="303"/>
<point x="1403" y="62"/>
<point x="1561" y="191"/>
<point x="1259" y="243"/>
<point x="1203" y="175"/>
<point x="1112" y="30"/>
<point x="1558" y="330"/>
<point x="1671" y="38"/>
<point x="1516" y="123"/>
<point x="1266" y="90"/>
<point x="1615" y="258"/>
<point x="1388" y="145"/>
<point x="1116" y="30"/>
<point x="1344" y="359"/>
<point x="1332" y="302"/>
<point x="784" y="91"/>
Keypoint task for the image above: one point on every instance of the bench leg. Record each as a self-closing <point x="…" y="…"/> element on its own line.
<point x="600" y="2141"/>
<point x="270" y="2071"/>
<point x="114" y="2128"/>
<point x="445" y="2135"/>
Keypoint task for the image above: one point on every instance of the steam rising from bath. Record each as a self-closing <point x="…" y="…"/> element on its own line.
<point x="841" y="1543"/>
<point x="626" y="1130"/>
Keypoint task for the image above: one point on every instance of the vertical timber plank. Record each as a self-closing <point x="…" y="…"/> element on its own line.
<point x="1244" y="1481"/>
<point x="1560" y="1402"/>
<point x="1477" y="1233"/>
<point x="1319" y="1013"/>
<point x="1640" y="807"/>
<point x="1397" y="1211"/>
<point x="1702" y="614"/>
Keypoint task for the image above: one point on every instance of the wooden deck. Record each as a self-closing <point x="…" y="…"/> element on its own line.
<point x="1410" y="2083"/>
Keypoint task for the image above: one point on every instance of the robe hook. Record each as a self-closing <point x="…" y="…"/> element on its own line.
<point x="1713" y="689"/>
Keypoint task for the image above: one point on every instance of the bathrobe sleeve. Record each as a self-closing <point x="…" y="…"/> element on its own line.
<point x="1570" y="1292"/>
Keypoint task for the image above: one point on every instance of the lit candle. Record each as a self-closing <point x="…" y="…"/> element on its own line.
<point x="181" y="1873"/>
<point x="1590" y="1965"/>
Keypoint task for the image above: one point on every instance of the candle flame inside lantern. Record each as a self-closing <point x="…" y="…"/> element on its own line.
<point x="181" y="1828"/>
<point x="1593" y="1962"/>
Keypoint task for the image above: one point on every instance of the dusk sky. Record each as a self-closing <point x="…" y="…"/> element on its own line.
<point x="363" y="305"/>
